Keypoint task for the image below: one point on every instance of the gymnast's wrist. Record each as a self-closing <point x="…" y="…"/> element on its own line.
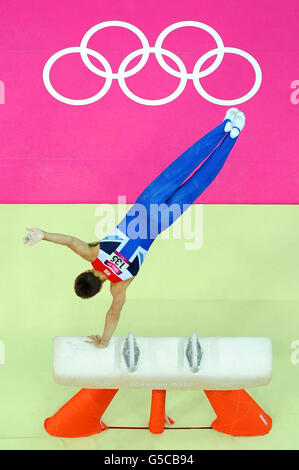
<point x="105" y="341"/>
<point x="45" y="235"/>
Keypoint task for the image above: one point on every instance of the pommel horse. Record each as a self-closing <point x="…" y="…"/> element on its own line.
<point x="222" y="367"/>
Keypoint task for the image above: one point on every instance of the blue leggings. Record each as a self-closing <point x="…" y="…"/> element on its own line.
<point x="172" y="188"/>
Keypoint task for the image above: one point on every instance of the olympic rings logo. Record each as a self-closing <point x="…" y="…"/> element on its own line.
<point x="144" y="52"/>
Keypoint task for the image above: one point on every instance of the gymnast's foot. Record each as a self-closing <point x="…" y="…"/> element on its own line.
<point x="238" y="124"/>
<point x="230" y="114"/>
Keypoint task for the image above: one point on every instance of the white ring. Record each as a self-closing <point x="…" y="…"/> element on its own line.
<point x="168" y="99"/>
<point x="247" y="96"/>
<point x="63" y="99"/>
<point x="106" y="24"/>
<point x="196" y="24"/>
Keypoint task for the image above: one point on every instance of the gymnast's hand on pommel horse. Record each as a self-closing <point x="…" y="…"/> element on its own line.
<point x="118" y="257"/>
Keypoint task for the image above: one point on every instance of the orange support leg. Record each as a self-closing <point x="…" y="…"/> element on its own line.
<point x="81" y="415"/>
<point x="158" y="416"/>
<point x="237" y="413"/>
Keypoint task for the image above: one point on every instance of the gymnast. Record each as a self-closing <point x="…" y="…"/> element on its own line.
<point x="118" y="257"/>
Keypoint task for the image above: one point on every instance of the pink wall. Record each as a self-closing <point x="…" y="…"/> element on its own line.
<point x="54" y="152"/>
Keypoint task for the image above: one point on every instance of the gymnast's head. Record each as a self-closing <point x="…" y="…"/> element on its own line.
<point x="88" y="284"/>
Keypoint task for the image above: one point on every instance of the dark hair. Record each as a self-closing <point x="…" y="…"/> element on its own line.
<point x="87" y="285"/>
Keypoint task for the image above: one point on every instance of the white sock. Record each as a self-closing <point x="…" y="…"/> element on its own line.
<point x="230" y="114"/>
<point x="228" y="126"/>
<point x="234" y="133"/>
<point x="238" y="124"/>
<point x="239" y="120"/>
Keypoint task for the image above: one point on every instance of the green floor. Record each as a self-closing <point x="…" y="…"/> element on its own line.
<point x="242" y="282"/>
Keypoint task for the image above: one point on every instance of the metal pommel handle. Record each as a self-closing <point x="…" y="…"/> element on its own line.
<point x="194" y="353"/>
<point x="131" y="352"/>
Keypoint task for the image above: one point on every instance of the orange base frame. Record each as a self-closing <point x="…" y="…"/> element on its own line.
<point x="81" y="415"/>
<point x="158" y="416"/>
<point x="237" y="413"/>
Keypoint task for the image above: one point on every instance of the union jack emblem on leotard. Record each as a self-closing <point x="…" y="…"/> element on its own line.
<point x="119" y="257"/>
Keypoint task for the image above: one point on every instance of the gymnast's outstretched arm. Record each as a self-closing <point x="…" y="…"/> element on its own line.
<point x="118" y="292"/>
<point x="79" y="247"/>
